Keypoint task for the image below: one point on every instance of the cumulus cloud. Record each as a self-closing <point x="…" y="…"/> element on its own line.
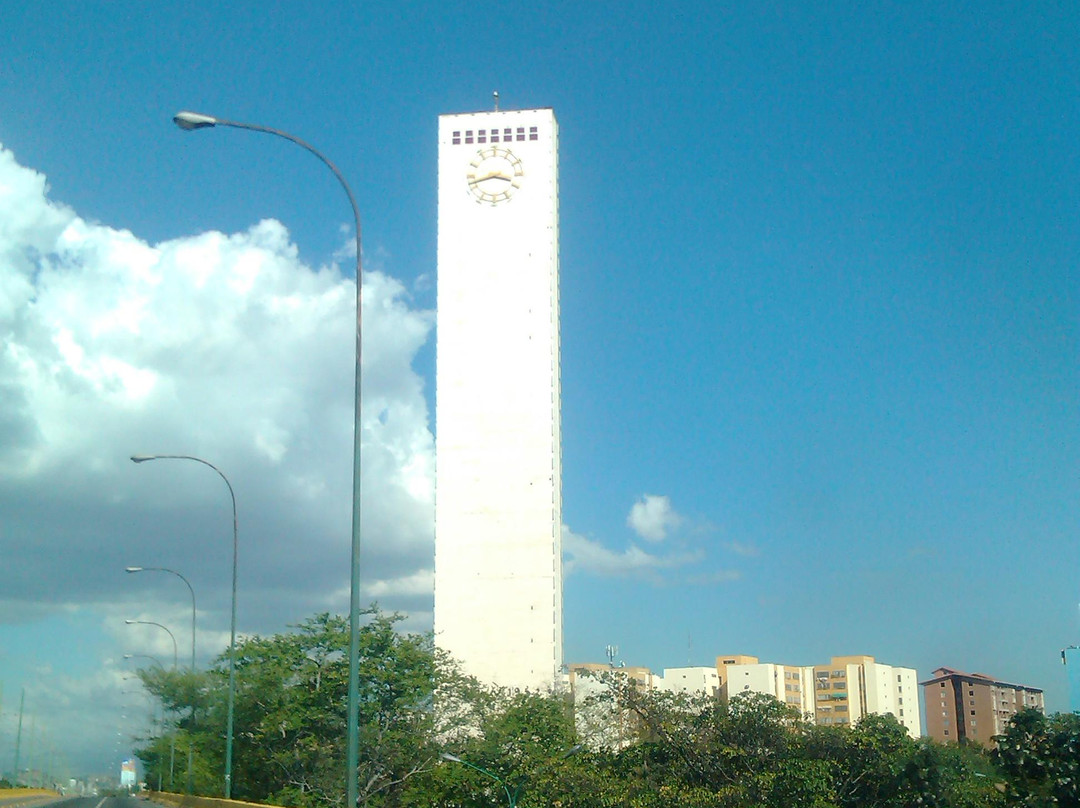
<point x="586" y="555"/>
<point x="652" y="517"/>
<point x="223" y="346"/>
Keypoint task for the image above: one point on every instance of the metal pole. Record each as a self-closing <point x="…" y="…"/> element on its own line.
<point x="190" y="761"/>
<point x="194" y="120"/>
<point x="18" y="737"/>
<point x="232" y="622"/>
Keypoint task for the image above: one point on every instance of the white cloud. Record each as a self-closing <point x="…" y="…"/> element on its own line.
<point x="585" y="555"/>
<point x="223" y="346"/>
<point x="652" y="517"/>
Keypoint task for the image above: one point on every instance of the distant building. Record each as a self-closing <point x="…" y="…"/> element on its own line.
<point x="127" y="774"/>
<point x="973" y="706"/>
<point x="839" y="693"/>
<point x="690" y="680"/>
<point x="1071" y="658"/>
<point x="792" y="685"/>
<point x="600" y="723"/>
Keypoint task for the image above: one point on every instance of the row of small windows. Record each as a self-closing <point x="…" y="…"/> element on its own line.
<point x="507" y="135"/>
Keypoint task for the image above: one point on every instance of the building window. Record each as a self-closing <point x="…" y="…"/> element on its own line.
<point x="943" y="684"/>
<point x="901" y="713"/>
<point x="946" y="732"/>
<point x="532" y="133"/>
<point x="468" y="136"/>
<point x="457" y="138"/>
<point x="521" y="133"/>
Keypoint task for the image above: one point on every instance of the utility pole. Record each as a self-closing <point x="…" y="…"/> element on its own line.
<point x="18" y="739"/>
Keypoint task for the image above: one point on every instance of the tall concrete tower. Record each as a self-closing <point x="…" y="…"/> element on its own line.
<point x="498" y="490"/>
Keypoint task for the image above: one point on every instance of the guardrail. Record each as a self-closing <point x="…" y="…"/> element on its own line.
<point x="191" y="801"/>
<point x="26" y="796"/>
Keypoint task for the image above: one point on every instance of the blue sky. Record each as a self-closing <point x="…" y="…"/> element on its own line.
<point x="819" y="314"/>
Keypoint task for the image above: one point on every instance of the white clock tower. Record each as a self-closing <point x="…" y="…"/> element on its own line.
<point x="498" y="490"/>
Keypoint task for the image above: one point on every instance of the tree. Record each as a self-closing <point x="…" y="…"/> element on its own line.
<point x="1039" y="757"/>
<point x="290" y="712"/>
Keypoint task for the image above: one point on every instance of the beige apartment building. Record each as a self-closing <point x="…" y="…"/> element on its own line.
<point x="963" y="707"/>
<point x="839" y="693"/>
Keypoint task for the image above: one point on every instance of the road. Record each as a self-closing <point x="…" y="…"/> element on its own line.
<point x="72" y="802"/>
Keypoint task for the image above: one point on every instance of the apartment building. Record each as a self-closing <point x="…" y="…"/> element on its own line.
<point x="690" y="680"/>
<point x="850" y="687"/>
<point x="839" y="693"/>
<point x="962" y="707"/>
<point x="789" y="684"/>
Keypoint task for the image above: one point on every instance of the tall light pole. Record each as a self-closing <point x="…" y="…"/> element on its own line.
<point x="172" y="736"/>
<point x="232" y="623"/>
<point x="166" y="630"/>
<point x="511" y="797"/>
<point x="194" y="120"/>
<point x="190" y="751"/>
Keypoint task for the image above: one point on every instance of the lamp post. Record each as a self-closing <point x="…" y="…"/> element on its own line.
<point x="166" y="630"/>
<point x="190" y="752"/>
<point x="153" y="659"/>
<point x="152" y="720"/>
<point x="193" y="120"/>
<point x="232" y="622"/>
<point x="511" y="797"/>
<point x="172" y="737"/>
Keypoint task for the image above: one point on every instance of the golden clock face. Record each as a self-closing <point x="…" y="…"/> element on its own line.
<point x="494" y="175"/>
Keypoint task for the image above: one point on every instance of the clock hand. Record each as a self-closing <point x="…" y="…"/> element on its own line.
<point x="492" y="176"/>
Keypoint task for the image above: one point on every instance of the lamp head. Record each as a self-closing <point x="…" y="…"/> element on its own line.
<point x="193" y="120"/>
<point x="131" y="622"/>
<point x="142" y="458"/>
<point x="451" y="758"/>
<point x="133" y="569"/>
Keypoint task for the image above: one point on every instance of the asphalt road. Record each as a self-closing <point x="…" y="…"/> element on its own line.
<point x="73" y="802"/>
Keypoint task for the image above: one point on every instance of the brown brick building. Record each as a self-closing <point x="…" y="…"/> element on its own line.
<point x="973" y="706"/>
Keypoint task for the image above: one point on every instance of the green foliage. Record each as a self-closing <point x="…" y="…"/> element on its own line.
<point x="1040" y="759"/>
<point x="643" y="748"/>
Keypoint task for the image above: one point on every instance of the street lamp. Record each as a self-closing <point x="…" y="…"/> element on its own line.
<point x="511" y="798"/>
<point x="232" y="624"/>
<point x="172" y="737"/>
<point x="192" y="591"/>
<point x="161" y="724"/>
<point x="152" y="623"/>
<point x="194" y="120"/>
<point x="190" y="753"/>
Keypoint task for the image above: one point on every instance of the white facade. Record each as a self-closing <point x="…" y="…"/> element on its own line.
<point x="893" y="690"/>
<point x="691" y="680"/>
<point x="839" y="693"/>
<point x="498" y="503"/>
<point x="760" y="677"/>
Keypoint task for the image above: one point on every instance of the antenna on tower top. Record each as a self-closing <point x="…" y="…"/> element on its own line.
<point x="496" y="94"/>
<point x="611" y="652"/>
